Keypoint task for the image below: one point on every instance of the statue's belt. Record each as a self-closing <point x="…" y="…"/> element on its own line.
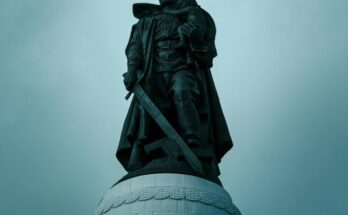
<point x="167" y="43"/>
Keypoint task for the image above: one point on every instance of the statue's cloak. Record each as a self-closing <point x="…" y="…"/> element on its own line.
<point x="137" y="126"/>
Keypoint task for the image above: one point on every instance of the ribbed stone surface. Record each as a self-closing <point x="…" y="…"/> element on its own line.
<point x="167" y="194"/>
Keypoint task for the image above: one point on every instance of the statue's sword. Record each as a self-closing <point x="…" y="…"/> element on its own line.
<point x="167" y="128"/>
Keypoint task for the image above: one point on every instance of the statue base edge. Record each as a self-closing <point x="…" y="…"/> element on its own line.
<point x="167" y="194"/>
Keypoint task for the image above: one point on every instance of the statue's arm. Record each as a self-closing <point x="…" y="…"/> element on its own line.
<point x="134" y="53"/>
<point x="134" y="50"/>
<point x="194" y="28"/>
<point x="201" y="33"/>
<point x="180" y="12"/>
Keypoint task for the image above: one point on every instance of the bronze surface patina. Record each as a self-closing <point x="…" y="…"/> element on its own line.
<point x="175" y="122"/>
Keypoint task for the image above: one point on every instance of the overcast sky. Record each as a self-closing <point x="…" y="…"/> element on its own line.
<point x="282" y="77"/>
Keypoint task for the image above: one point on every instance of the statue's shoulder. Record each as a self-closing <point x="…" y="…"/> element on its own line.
<point x="146" y="10"/>
<point x="209" y="21"/>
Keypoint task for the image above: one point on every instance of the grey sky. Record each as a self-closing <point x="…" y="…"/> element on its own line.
<point x="282" y="76"/>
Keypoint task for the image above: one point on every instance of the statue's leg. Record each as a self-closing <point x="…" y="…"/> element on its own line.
<point x="185" y="93"/>
<point x="157" y="89"/>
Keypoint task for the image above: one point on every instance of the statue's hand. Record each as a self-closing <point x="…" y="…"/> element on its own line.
<point x="192" y="32"/>
<point x="130" y="78"/>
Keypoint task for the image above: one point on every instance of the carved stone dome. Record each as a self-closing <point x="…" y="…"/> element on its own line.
<point x="167" y="194"/>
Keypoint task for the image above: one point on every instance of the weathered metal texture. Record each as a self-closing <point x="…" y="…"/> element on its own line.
<point x="167" y="194"/>
<point x="167" y="128"/>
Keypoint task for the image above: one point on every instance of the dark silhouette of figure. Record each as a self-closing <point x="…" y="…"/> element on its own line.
<point x="170" y="53"/>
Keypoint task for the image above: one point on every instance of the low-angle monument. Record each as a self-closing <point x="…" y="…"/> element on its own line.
<point x="175" y="134"/>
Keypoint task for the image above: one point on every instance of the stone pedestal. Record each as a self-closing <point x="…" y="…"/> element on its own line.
<point x="167" y="194"/>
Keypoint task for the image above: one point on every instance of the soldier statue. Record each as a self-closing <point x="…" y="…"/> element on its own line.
<point x="170" y="54"/>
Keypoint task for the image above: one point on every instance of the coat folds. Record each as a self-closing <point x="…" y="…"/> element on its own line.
<point x="138" y="125"/>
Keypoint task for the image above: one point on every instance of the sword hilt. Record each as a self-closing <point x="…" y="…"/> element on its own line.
<point x="129" y="94"/>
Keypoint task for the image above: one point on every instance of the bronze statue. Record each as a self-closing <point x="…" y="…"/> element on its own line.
<point x="175" y="115"/>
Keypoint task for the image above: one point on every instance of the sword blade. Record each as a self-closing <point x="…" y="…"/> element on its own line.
<point x="167" y="128"/>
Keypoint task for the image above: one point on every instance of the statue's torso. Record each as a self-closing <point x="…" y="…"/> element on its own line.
<point x="167" y="57"/>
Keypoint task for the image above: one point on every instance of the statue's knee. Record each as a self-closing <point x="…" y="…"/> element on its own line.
<point x="183" y="96"/>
